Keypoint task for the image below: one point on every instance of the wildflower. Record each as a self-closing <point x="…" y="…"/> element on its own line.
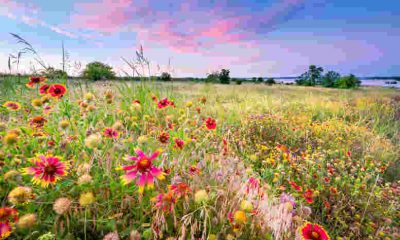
<point x="89" y="97"/>
<point x="240" y="217"/>
<point x="142" y="139"/>
<point x="180" y="189"/>
<point x="27" y="221"/>
<point x="287" y="198"/>
<point x="86" y="199"/>
<point x="295" y="186"/>
<point x="47" y="170"/>
<point x="211" y="124"/>
<point x="165" y="201"/>
<point x="20" y="195"/>
<point x="110" y="133"/>
<point x="111" y="236"/>
<point x="12" y="106"/>
<point x="36" y="102"/>
<point x="246" y="206"/>
<point x="135" y="235"/>
<point x="142" y="170"/>
<point x="163" y="103"/>
<point x="8" y="216"/>
<point x="64" y="124"/>
<point x="118" y="126"/>
<point x="86" y="178"/>
<point x="203" y="100"/>
<point x="93" y="141"/>
<point x="179" y="143"/>
<point x="308" y="195"/>
<point x="37" y="122"/>
<point x="62" y="205"/>
<point x="57" y="90"/>
<point x="109" y="95"/>
<point x="164" y="137"/>
<point x="189" y="104"/>
<point x="43" y="90"/>
<point x="252" y="185"/>
<point x="83" y="168"/>
<point x="12" y="174"/>
<point x="201" y="196"/>
<point x="311" y="231"/>
<point x="194" y="170"/>
<point x="10" y="138"/>
<point x="35" y="80"/>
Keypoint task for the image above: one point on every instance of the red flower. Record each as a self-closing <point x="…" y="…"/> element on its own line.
<point x="164" y="137"/>
<point x="8" y="216"/>
<point x="43" y="89"/>
<point x="179" y="143"/>
<point x="142" y="170"/>
<point x="110" y="133"/>
<point x="136" y="101"/>
<point x="211" y="124"/>
<point x="35" y="80"/>
<point x="252" y="185"/>
<point x="180" y="189"/>
<point x="165" y="201"/>
<point x="308" y="195"/>
<point x="295" y="186"/>
<point x="12" y="106"/>
<point x="163" y="103"/>
<point x="47" y="170"/>
<point x="57" y="90"/>
<point x="194" y="170"/>
<point x="311" y="231"/>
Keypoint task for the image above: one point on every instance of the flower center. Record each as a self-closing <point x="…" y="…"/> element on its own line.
<point x="50" y="169"/>
<point x="315" y="235"/>
<point x="57" y="91"/>
<point x="144" y="165"/>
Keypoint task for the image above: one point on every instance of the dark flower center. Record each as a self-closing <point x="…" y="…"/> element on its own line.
<point x="144" y="164"/>
<point x="50" y="169"/>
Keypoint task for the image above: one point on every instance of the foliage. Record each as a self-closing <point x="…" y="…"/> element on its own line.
<point x="312" y="77"/>
<point x="330" y="79"/>
<point x="165" y="76"/>
<point x="270" y="81"/>
<point x="97" y="71"/>
<point x="350" y="81"/>
<point x="52" y="73"/>
<point x="212" y="77"/>
<point x="224" y="77"/>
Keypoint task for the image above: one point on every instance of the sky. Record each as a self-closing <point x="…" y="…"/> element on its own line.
<point x="194" y="37"/>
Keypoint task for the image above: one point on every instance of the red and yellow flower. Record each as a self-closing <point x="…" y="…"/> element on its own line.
<point x="57" y="90"/>
<point x="143" y="170"/>
<point x="179" y="143"/>
<point x="43" y="90"/>
<point x="310" y="231"/>
<point x="163" y="103"/>
<point x="37" y="122"/>
<point x="110" y="133"/>
<point x="8" y="217"/>
<point x="46" y="170"/>
<point x="165" y="201"/>
<point x="12" y="106"/>
<point x="35" y="80"/>
<point x="180" y="189"/>
<point x="211" y="123"/>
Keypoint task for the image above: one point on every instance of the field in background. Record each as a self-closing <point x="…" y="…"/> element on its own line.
<point x="280" y="156"/>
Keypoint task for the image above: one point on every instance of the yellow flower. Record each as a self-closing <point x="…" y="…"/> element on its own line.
<point x="27" y="221"/>
<point x="20" y="195"/>
<point x="189" y="104"/>
<point x="64" y="124"/>
<point x="86" y="199"/>
<point x="89" y="97"/>
<point x="10" y="138"/>
<point x="240" y="217"/>
<point x="142" y="139"/>
<point x="246" y="206"/>
<point x="37" y="102"/>
<point x="201" y="196"/>
<point x="11" y="174"/>
<point x="212" y="237"/>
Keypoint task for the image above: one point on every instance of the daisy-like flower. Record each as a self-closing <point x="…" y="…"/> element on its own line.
<point x="12" y="106"/>
<point x="211" y="123"/>
<point x="194" y="170"/>
<point x="163" y="103"/>
<point x="164" y="137"/>
<point x="37" y="122"/>
<point x="35" y="80"/>
<point x="308" y="195"/>
<point x="165" y="201"/>
<point x="143" y="170"/>
<point x="44" y="89"/>
<point x="8" y="216"/>
<point x="57" y="90"/>
<point x="180" y="189"/>
<point x="311" y="231"/>
<point x="110" y="133"/>
<point x="179" y="143"/>
<point x="295" y="186"/>
<point x="47" y="170"/>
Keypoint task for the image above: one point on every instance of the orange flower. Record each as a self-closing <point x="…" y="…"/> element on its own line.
<point x="57" y="90"/>
<point x="37" y="122"/>
<point x="35" y="80"/>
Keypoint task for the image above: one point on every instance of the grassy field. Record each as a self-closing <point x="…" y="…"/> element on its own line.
<point x="151" y="160"/>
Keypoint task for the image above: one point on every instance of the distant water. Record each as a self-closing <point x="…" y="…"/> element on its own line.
<point x="364" y="82"/>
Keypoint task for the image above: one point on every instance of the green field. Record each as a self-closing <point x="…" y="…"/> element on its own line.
<point x="279" y="158"/>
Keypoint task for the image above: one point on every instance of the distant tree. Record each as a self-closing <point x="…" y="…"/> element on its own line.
<point x="254" y="79"/>
<point x="330" y="78"/>
<point x="350" y="81"/>
<point x="312" y="77"/>
<point x="260" y="80"/>
<point x="212" y="77"/>
<point x="97" y="70"/>
<point x="52" y="73"/>
<point x="237" y="81"/>
<point x="224" y="77"/>
<point x="165" y="77"/>
<point x="270" y="81"/>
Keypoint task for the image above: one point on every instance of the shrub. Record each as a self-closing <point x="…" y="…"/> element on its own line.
<point x="224" y="77"/>
<point x="165" y="77"/>
<point x="330" y="78"/>
<point x="350" y="81"/>
<point x="270" y="81"/>
<point x="97" y="70"/>
<point x="212" y="77"/>
<point x="312" y="77"/>
<point x="237" y="81"/>
<point x="54" y="73"/>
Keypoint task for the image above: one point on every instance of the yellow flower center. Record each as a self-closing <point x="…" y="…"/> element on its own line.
<point x="315" y="235"/>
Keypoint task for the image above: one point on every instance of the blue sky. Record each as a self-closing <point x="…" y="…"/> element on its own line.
<point x="249" y="37"/>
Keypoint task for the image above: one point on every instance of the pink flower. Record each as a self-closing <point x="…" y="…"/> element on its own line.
<point x="179" y="143"/>
<point x="163" y="103"/>
<point x="211" y="123"/>
<point x="110" y="133"/>
<point x="165" y="201"/>
<point x="143" y="170"/>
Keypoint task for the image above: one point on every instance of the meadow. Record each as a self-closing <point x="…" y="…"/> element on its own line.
<point x="154" y="160"/>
